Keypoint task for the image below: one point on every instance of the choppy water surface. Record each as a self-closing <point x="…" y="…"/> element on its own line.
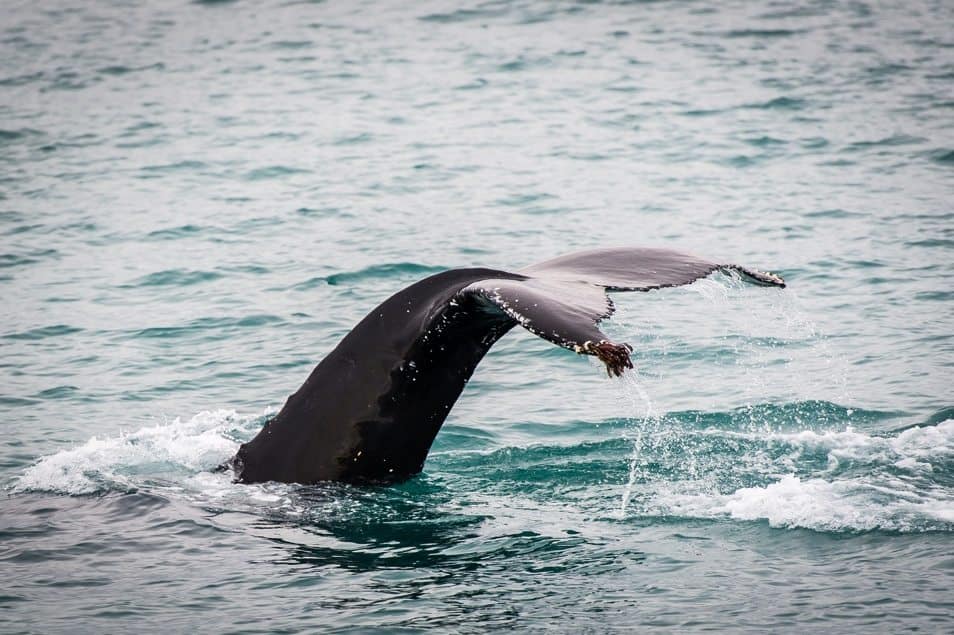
<point x="197" y="200"/>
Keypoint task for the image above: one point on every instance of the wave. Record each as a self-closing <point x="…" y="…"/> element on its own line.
<point x="173" y="277"/>
<point x="943" y="156"/>
<point x="131" y="460"/>
<point x="374" y="272"/>
<point x="865" y="482"/>
<point x="42" y="332"/>
<point x="841" y="505"/>
<point x="716" y="466"/>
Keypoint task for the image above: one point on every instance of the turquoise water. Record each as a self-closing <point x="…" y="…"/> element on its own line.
<point x="197" y="200"/>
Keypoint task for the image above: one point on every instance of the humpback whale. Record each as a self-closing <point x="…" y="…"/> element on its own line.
<point x="370" y="410"/>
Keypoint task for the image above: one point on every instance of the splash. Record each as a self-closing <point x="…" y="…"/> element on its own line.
<point x="822" y="480"/>
<point x="799" y="464"/>
<point x="894" y="483"/>
<point x="125" y="462"/>
<point x="650" y="423"/>
<point x="177" y="460"/>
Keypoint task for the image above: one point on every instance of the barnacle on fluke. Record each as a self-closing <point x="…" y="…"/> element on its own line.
<point x="615" y="356"/>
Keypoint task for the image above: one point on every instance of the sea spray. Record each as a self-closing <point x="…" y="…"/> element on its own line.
<point x="128" y="460"/>
<point x="648" y="425"/>
<point x="758" y="341"/>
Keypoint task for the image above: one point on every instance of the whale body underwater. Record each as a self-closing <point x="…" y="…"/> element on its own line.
<point x="370" y="410"/>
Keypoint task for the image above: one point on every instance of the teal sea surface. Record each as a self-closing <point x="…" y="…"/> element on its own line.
<point x="199" y="199"/>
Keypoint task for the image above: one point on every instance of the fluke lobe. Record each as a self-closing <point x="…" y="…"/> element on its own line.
<point x="370" y="410"/>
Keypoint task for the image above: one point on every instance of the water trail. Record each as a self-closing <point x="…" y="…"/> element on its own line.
<point x="764" y="349"/>
<point x="778" y="352"/>
<point x="776" y="445"/>
<point x="636" y="395"/>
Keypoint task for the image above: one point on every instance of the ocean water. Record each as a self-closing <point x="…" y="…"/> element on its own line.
<point x="198" y="200"/>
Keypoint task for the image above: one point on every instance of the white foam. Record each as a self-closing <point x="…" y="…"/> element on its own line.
<point x="200" y="443"/>
<point x="842" y="504"/>
<point x="895" y="491"/>
<point x="905" y="449"/>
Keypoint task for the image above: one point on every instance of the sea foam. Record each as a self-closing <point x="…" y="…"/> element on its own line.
<point x="897" y="489"/>
<point x="124" y="461"/>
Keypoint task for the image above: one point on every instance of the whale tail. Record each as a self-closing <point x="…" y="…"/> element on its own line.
<point x="564" y="299"/>
<point x="371" y="408"/>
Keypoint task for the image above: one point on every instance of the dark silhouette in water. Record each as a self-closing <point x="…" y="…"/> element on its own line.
<point x="371" y="409"/>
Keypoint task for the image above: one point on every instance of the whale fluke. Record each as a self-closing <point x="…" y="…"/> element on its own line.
<point x="370" y="410"/>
